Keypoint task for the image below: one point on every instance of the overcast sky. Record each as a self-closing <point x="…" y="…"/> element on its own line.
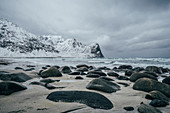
<point x="123" y="28"/>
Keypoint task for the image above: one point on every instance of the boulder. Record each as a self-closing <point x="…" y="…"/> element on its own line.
<point x="154" y="69"/>
<point x="146" y="84"/>
<point x="125" y="67"/>
<point x="156" y="95"/>
<point x="128" y="108"/>
<point x="144" y="108"/>
<point x="97" y="72"/>
<point x="166" y="80"/>
<point x="136" y="76"/>
<point x="65" y="69"/>
<point x="91" y="75"/>
<point x="91" y="99"/>
<point x="103" y="85"/>
<point x="51" y="72"/>
<point x="47" y="80"/>
<point x="82" y="69"/>
<point x="128" y="72"/>
<point x="79" y="78"/>
<point x="113" y="74"/>
<point x="106" y="78"/>
<point x="122" y="78"/>
<point x="82" y="65"/>
<point x="47" y="85"/>
<point x="17" y="77"/>
<point x="158" y="103"/>
<point x="150" y="72"/>
<point x="8" y="87"/>
<point x="18" y="68"/>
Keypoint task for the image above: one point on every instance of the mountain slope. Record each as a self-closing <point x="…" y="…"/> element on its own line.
<point x="16" y="42"/>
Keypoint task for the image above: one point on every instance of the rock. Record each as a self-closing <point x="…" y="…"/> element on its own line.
<point x="122" y="78"/>
<point x="138" y="69"/>
<point x="125" y="67"/>
<point x="129" y="72"/>
<point x="8" y="87"/>
<point x="44" y="67"/>
<point x="164" y="70"/>
<point x="77" y="73"/>
<point x="47" y="66"/>
<point x="72" y="67"/>
<point x="65" y="69"/>
<point x="17" y="77"/>
<point x="144" y="108"/>
<point x="47" y="85"/>
<point x="158" y="103"/>
<point x="136" y="76"/>
<point x="106" y="78"/>
<point x="154" y="69"/>
<point x="79" y="77"/>
<point x="128" y="108"/>
<point x="151" y="73"/>
<point x="82" y="65"/>
<point x="103" y="85"/>
<point x="47" y="80"/>
<point x="29" y="69"/>
<point x="166" y="80"/>
<point x="91" y="99"/>
<point x="30" y="66"/>
<point x="90" y="75"/>
<point x="122" y="83"/>
<point x="56" y="66"/>
<point x="146" y="84"/>
<point x="18" y="68"/>
<point x="97" y="72"/>
<point x="51" y="72"/>
<point x="113" y="74"/>
<point x="156" y="95"/>
<point x="82" y="69"/>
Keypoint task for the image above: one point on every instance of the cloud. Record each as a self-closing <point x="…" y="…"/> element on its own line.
<point x="123" y="28"/>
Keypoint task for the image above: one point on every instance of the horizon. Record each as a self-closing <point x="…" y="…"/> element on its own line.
<point x="123" y="29"/>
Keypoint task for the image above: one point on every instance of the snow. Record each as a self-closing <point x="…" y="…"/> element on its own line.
<point x="18" y="42"/>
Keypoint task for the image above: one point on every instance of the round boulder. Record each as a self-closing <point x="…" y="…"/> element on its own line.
<point x="166" y="80"/>
<point x="8" y="87"/>
<point x="113" y="74"/>
<point x="154" y="69"/>
<point x="65" y="69"/>
<point x="156" y="95"/>
<point x="136" y="76"/>
<point x="51" y="72"/>
<point x="148" y="85"/>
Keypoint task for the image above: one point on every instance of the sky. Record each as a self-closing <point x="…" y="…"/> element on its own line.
<point x="123" y="28"/>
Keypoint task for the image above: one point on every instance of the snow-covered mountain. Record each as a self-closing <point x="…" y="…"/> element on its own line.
<point x="16" y="42"/>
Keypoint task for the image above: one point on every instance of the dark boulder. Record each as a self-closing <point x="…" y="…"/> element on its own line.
<point x="65" y="69"/>
<point x="51" y="72"/>
<point x="82" y="65"/>
<point x="106" y="78"/>
<point x="82" y="69"/>
<point x="113" y="74"/>
<point x="136" y="76"/>
<point x="30" y="65"/>
<point x="91" y="75"/>
<point x="103" y="85"/>
<point x="97" y="72"/>
<point x="128" y="72"/>
<point x="91" y="99"/>
<point x="156" y="95"/>
<point x="30" y="69"/>
<point x="125" y="67"/>
<point x="128" y="108"/>
<point x="146" y="84"/>
<point x="166" y="80"/>
<point x="77" y="73"/>
<point x="17" y="77"/>
<point x="154" y="69"/>
<point x="18" y="68"/>
<point x="79" y="78"/>
<point x="47" y="80"/>
<point x="164" y="70"/>
<point x="158" y="103"/>
<point x="46" y="85"/>
<point x="122" y="78"/>
<point x="151" y="73"/>
<point x="8" y="87"/>
<point x="144" y="108"/>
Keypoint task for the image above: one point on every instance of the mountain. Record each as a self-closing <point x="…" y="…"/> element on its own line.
<point x="16" y="42"/>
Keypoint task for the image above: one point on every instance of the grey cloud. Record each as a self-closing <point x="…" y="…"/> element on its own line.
<point x="123" y="28"/>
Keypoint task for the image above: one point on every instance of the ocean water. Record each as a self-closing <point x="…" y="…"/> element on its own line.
<point x="98" y="62"/>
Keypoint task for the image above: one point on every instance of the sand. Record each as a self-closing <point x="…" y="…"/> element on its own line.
<point x="33" y="100"/>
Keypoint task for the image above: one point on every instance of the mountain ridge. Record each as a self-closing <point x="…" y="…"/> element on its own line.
<point x="17" y="42"/>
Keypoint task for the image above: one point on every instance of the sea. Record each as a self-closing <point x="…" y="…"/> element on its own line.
<point x="97" y="62"/>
